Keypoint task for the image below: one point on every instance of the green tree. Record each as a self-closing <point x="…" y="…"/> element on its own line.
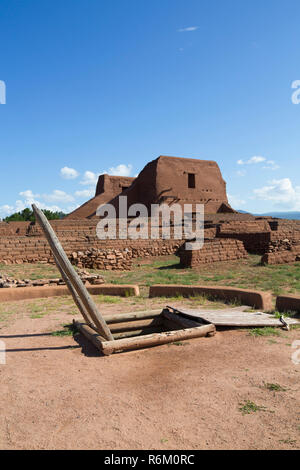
<point x="27" y="215"/>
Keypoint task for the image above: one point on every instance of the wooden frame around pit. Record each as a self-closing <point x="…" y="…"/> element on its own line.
<point x="117" y="333"/>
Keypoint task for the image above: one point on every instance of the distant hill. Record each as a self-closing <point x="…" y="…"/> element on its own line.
<point x="278" y="215"/>
<point x="283" y="215"/>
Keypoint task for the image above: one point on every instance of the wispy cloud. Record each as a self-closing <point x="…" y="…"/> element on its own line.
<point x="68" y="173"/>
<point x="281" y="192"/>
<point x="252" y="160"/>
<point x="91" y="178"/>
<point x="188" y="29"/>
<point x="268" y="164"/>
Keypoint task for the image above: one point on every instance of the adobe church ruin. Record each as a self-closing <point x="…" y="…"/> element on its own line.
<point x="164" y="180"/>
<point x="229" y="235"/>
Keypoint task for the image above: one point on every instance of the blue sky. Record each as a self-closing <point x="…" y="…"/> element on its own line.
<point x="97" y="86"/>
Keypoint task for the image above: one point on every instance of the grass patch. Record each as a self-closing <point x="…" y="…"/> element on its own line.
<point x="69" y="330"/>
<point x="249" y="407"/>
<point x="267" y="331"/>
<point x="109" y="299"/>
<point x="274" y="387"/>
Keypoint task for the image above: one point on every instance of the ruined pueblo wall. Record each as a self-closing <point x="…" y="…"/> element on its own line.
<point x="107" y="188"/>
<point x="179" y="180"/>
<point x="213" y="251"/>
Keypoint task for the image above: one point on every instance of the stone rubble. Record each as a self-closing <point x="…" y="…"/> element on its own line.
<point x="85" y="276"/>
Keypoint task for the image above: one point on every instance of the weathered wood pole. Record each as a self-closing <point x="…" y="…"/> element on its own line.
<point x="74" y="279"/>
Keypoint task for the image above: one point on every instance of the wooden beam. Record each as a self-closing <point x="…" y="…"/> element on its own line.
<point x="156" y="339"/>
<point x="135" y="325"/>
<point x="138" y="342"/>
<point x="145" y="331"/>
<point x="125" y="317"/>
<point x="76" y="298"/>
<point x="61" y="257"/>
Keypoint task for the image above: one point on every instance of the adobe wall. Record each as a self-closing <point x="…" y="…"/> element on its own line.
<point x="283" y="248"/>
<point x="213" y="251"/>
<point x="13" y="228"/>
<point x="18" y="250"/>
<point x="108" y="187"/>
<point x="166" y="180"/>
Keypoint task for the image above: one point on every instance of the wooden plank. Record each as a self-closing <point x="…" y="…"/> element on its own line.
<point x="233" y="317"/>
<point x="145" y="331"/>
<point x="178" y="320"/>
<point x="156" y="339"/>
<point x="125" y="317"/>
<point x="135" y="325"/>
<point x="61" y="257"/>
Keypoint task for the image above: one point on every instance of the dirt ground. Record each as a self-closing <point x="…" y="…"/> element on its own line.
<point x="60" y="393"/>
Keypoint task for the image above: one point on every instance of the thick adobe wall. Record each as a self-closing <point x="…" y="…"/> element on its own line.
<point x="172" y="180"/>
<point x="255" y="234"/>
<point x="187" y="180"/>
<point x="18" y="250"/>
<point x="113" y="185"/>
<point x="213" y="251"/>
<point x="107" y="188"/>
<point x="13" y="228"/>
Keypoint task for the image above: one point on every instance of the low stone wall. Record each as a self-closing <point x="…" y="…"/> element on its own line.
<point x="255" y="243"/>
<point x="28" y="293"/>
<point x="256" y="299"/>
<point x="288" y="303"/>
<point x="103" y="259"/>
<point x="282" y="250"/>
<point x="280" y="257"/>
<point x="18" y="250"/>
<point x="213" y="251"/>
<point x="9" y="282"/>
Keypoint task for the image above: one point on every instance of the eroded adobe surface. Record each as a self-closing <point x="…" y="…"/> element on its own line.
<point x="172" y="180"/>
<point x="107" y="188"/>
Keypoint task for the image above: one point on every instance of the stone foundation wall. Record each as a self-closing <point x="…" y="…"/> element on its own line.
<point x="18" y="250"/>
<point x="213" y="251"/>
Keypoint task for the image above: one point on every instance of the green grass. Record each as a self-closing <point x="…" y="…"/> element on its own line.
<point x="241" y="274"/>
<point x="267" y="331"/>
<point x="249" y="407"/>
<point x="69" y="330"/>
<point x="274" y="387"/>
<point x="109" y="299"/>
<point x="246" y="273"/>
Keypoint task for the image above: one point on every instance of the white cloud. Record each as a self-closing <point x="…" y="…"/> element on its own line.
<point x="85" y="193"/>
<point x="268" y="164"/>
<point x="6" y="210"/>
<point x="28" y="194"/>
<point x="68" y="173"/>
<point x="58" y="196"/>
<point x="271" y="165"/>
<point x="282" y="193"/>
<point x="89" y="178"/>
<point x="188" y="29"/>
<point x="235" y="201"/>
<point x="252" y="160"/>
<point x="121" y="170"/>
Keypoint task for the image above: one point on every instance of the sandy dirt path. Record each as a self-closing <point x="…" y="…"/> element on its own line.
<point x="59" y="393"/>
